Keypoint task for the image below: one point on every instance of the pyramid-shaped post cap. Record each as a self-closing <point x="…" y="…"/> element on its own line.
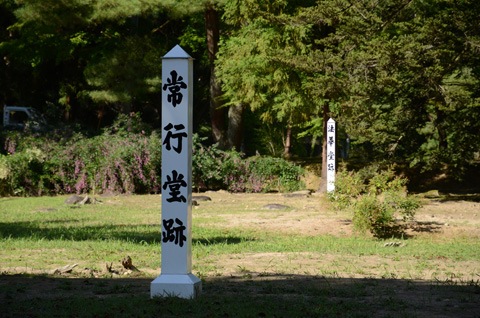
<point x="177" y="53"/>
<point x="331" y="120"/>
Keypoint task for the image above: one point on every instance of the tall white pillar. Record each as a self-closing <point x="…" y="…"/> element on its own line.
<point x="331" y="155"/>
<point x="176" y="278"/>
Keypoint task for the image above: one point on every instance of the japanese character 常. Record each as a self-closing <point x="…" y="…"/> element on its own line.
<point x="174" y="86"/>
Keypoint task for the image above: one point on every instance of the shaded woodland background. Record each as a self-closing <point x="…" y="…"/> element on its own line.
<point x="400" y="77"/>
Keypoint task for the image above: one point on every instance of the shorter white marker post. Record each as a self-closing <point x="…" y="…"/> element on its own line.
<point x="176" y="278"/>
<point x="331" y="154"/>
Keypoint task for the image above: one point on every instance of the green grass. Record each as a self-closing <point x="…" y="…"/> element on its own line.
<point x="42" y="234"/>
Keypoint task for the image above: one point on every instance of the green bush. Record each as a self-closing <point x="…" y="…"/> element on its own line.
<point x="215" y="169"/>
<point x="122" y="162"/>
<point x="207" y="161"/>
<point x="126" y="159"/>
<point x="370" y="214"/>
<point x="261" y="174"/>
<point x="348" y="186"/>
<point x="276" y="174"/>
<point x="22" y="173"/>
<point x="377" y="195"/>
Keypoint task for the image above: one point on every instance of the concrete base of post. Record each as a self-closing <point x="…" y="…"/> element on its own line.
<point x="186" y="286"/>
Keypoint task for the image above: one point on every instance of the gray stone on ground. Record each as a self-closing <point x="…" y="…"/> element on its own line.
<point x="201" y="198"/>
<point x="74" y="199"/>
<point x="275" y="206"/>
<point x="64" y="269"/>
<point x="77" y="199"/>
<point x="298" y="194"/>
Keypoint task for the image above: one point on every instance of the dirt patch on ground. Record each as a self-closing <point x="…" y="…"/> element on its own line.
<point x="438" y="219"/>
<point x="409" y="284"/>
<point x="309" y="215"/>
<point x="347" y="266"/>
<point x="449" y="218"/>
<point x="313" y="216"/>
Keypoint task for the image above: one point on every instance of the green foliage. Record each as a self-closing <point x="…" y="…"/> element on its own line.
<point x="126" y="158"/>
<point x="124" y="162"/>
<point x="348" y="186"/>
<point x="216" y="169"/>
<point x="128" y="124"/>
<point x="22" y="173"/>
<point x="252" y="72"/>
<point x="401" y="77"/>
<point x="93" y="59"/>
<point x="262" y="174"/>
<point x="276" y="174"/>
<point x="372" y="215"/>
<point x="207" y="165"/>
<point x="377" y="196"/>
<point x="128" y="72"/>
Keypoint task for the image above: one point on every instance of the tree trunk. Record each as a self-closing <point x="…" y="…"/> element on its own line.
<point x="235" y="126"/>
<point x="287" y="152"/>
<point x="323" y="182"/>
<point x="217" y="113"/>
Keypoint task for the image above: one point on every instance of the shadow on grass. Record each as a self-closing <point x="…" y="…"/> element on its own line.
<point x="460" y="197"/>
<point x="399" y="230"/>
<point x="257" y="296"/>
<point x="426" y="227"/>
<point x="141" y="233"/>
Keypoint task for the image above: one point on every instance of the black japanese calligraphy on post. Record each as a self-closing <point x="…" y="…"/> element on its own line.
<point x="174" y="234"/>
<point x="174" y="85"/>
<point x="176" y="278"/>
<point x="330" y="141"/>
<point x="331" y="155"/>
<point x="174" y="183"/>
<point x="178" y="135"/>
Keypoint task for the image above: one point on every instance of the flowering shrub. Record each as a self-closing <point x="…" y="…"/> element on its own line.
<point x="125" y="159"/>
<point x="123" y="162"/>
<point x="107" y="163"/>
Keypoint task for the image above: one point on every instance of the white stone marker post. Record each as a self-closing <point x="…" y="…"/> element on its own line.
<point x="176" y="278"/>
<point x="331" y="153"/>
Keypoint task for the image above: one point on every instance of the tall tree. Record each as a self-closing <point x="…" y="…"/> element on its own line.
<point x="217" y="112"/>
<point x="416" y="92"/>
<point x="400" y="75"/>
<point x="249" y="69"/>
<point x="84" y="51"/>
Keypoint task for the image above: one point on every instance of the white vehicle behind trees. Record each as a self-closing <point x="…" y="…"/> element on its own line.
<point x="17" y="117"/>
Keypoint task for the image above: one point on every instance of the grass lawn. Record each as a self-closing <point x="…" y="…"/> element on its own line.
<point x="303" y="261"/>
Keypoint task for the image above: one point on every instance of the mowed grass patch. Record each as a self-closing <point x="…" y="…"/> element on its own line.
<point x="298" y="262"/>
<point x="51" y="233"/>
